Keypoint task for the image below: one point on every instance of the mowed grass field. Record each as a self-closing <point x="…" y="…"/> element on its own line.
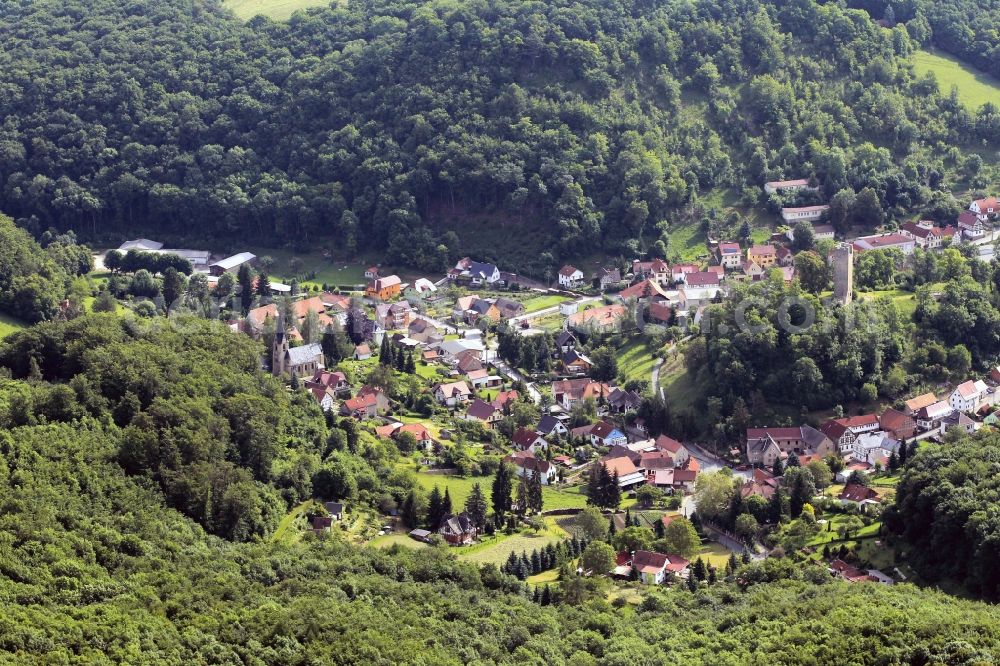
<point x="537" y="303"/>
<point x="276" y="9"/>
<point x="10" y="325"/>
<point x="975" y="88"/>
<point x="459" y="488"/>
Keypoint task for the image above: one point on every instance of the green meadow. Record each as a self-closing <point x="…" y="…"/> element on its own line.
<point x="975" y="88"/>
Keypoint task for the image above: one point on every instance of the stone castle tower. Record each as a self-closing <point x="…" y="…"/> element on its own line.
<point x="843" y="273"/>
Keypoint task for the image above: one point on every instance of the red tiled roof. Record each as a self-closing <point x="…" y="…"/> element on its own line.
<point x="703" y="279"/>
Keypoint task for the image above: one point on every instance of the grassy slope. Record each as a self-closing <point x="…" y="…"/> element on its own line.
<point x="9" y="325"/>
<point x="975" y="88"/>
<point x="276" y="9"/>
<point x="635" y="360"/>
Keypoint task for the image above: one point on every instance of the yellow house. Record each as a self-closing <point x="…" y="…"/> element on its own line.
<point x="764" y="256"/>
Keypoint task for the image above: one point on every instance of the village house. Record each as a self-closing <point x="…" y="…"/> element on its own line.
<point x="860" y="424"/>
<point x="983" y="208"/>
<point x="597" y="320"/>
<point x="925" y="234"/>
<point x="371" y="273"/>
<point x="421" y="288"/>
<point x="679" y="272"/>
<point x="549" y="425"/>
<point x="384" y="289"/>
<point x="960" y="420"/>
<point x="362" y="352"/>
<point x="661" y="313"/>
<point x="820" y="232"/>
<point x="930" y="417"/>
<point x="527" y="466"/>
<point x="324" y="396"/>
<point x="482" y="378"/>
<point x="424" y="331"/>
<point x="904" y="244"/>
<point x="858" y="495"/>
<point x="451" y="350"/>
<point x="468" y="361"/>
<point x="605" y="434"/>
<point x="339" y="303"/>
<point x="335" y="381"/>
<point x="458" y="530"/>
<point x="913" y="405"/>
<point x="232" y="264"/>
<point x="654" y="568"/>
<point x="367" y="404"/>
<point x="570" y="276"/>
<point x="803" y="439"/>
<point x="729" y="255"/>
<point x="786" y="258"/>
<point x="509" y="308"/>
<point x="393" y="316"/>
<point x="969" y="395"/>
<point x="647" y="290"/>
<point x="475" y="272"/>
<point x="564" y="342"/>
<point x="570" y="392"/>
<point x="841" y="436"/>
<point x="701" y="287"/>
<point x="677" y="451"/>
<point x="764" y="256"/>
<point x="335" y="510"/>
<point x="629" y="475"/>
<point x="420" y="433"/>
<point x="484" y="412"/>
<point x="452" y="394"/>
<point x="575" y="363"/>
<point x="622" y="402"/>
<point x="874" y="447"/>
<point x="763" y="450"/>
<point x="608" y="277"/>
<point x="528" y="440"/>
<point x="970" y="225"/>
<point x="775" y="186"/>
<point x="899" y="425"/>
<point x="803" y="213"/>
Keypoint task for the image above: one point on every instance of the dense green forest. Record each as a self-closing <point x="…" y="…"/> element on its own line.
<point x="582" y="124"/>
<point x="100" y="564"/>
<point x="948" y="502"/>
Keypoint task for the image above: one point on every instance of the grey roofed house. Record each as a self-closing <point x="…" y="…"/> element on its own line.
<point x="420" y="535"/>
<point x="481" y="305"/>
<point x="234" y="261"/>
<point x="509" y="308"/>
<point x="140" y="244"/>
<point x="548" y="424"/>
<point x="304" y="353"/>
<point x="565" y="338"/>
<point x="812" y="437"/>
<point x="481" y="410"/>
<point x="621" y="400"/>
<point x="335" y="509"/>
<point x="482" y="271"/>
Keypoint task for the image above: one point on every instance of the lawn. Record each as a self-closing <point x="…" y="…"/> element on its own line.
<point x="679" y="385"/>
<point x="635" y="360"/>
<point x="497" y="549"/>
<point x="10" y="325"/>
<point x="276" y="9"/>
<point x="336" y="273"/>
<point x="714" y="554"/>
<point x="906" y="301"/>
<point x="549" y="323"/>
<point x="688" y="241"/>
<point x="541" y="302"/>
<point x="459" y="488"/>
<point x="975" y="88"/>
<point x="389" y="540"/>
<point x="287" y="531"/>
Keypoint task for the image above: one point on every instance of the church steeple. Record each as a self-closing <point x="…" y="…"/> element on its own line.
<point x="279" y="350"/>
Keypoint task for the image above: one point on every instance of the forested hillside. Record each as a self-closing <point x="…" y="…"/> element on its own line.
<point x="99" y="564"/>
<point x="948" y="501"/>
<point x="582" y="125"/>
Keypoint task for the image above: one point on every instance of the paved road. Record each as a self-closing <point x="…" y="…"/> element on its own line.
<point x="655" y="379"/>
